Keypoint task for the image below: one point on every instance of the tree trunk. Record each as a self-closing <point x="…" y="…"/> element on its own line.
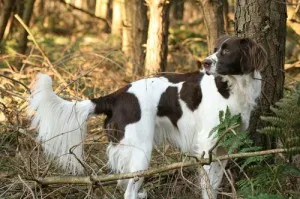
<point x="135" y="25"/>
<point x="265" y="22"/>
<point x="226" y="16"/>
<point x="20" y="7"/>
<point x="157" y="42"/>
<point x="177" y="9"/>
<point x="116" y="27"/>
<point x="28" y="8"/>
<point x="214" y="21"/>
<point x="102" y="10"/>
<point x="4" y="16"/>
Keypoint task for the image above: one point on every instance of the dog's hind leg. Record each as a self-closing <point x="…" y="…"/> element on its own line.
<point x="140" y="139"/>
<point x="133" y="153"/>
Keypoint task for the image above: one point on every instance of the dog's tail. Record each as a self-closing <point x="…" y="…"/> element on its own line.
<point x="61" y="124"/>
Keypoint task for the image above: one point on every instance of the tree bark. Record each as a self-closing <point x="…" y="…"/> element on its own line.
<point x="157" y="42"/>
<point x="135" y="25"/>
<point x="116" y="27"/>
<point x="5" y="15"/>
<point x="265" y="22"/>
<point x="214" y="21"/>
<point x="226" y="16"/>
<point x="28" y="8"/>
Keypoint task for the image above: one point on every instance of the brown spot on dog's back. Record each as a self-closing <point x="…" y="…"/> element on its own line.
<point x="176" y="78"/>
<point x="222" y="87"/>
<point x="191" y="92"/>
<point x="169" y="105"/>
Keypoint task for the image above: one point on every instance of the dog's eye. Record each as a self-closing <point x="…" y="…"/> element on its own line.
<point x="225" y="51"/>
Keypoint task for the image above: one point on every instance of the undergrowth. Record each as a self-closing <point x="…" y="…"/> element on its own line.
<point x="266" y="177"/>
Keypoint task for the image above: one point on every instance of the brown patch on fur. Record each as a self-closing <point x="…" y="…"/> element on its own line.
<point x="191" y="92"/>
<point x="176" y="78"/>
<point x="121" y="108"/>
<point x="169" y="105"/>
<point x="222" y="87"/>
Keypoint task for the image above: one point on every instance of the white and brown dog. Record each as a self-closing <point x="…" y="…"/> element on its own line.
<point x="179" y="108"/>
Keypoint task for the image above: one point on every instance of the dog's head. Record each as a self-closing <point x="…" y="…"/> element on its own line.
<point x="235" y="56"/>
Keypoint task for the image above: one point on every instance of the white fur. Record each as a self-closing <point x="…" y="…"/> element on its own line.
<point x="61" y="124"/>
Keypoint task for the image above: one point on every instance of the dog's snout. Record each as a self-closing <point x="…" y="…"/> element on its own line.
<point x="207" y="63"/>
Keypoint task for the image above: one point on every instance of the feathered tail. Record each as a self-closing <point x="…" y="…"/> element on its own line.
<point x="61" y="124"/>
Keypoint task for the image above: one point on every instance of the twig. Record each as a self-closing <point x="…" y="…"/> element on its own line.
<point x="28" y="90"/>
<point x="13" y="94"/>
<point x="32" y="193"/>
<point x="106" y="178"/>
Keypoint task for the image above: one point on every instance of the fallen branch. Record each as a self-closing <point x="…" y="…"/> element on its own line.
<point x="93" y="179"/>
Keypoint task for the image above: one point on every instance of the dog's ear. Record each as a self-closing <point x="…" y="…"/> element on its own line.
<point x="253" y="56"/>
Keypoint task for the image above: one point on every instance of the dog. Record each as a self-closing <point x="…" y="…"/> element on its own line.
<point x="179" y="108"/>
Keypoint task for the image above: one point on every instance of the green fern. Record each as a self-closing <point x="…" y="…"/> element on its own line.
<point x="234" y="140"/>
<point x="273" y="179"/>
<point x="266" y="179"/>
<point x="285" y="125"/>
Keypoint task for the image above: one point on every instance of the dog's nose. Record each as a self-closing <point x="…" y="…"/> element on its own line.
<point x="207" y="63"/>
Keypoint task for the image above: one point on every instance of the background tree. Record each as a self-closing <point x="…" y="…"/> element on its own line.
<point x="267" y="26"/>
<point x="117" y="7"/>
<point x="5" y="14"/>
<point x="157" y="42"/>
<point x="226" y="16"/>
<point x="103" y="10"/>
<point x="135" y="25"/>
<point x="214" y="21"/>
<point x="177" y="9"/>
<point x="28" y="9"/>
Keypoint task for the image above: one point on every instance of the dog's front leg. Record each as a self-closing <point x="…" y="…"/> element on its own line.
<point x="211" y="176"/>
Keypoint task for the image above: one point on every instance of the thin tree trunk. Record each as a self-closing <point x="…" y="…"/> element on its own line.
<point x="28" y="8"/>
<point x="20" y="7"/>
<point x="102" y="10"/>
<point x="177" y="9"/>
<point x="40" y="7"/>
<point x="4" y="16"/>
<point x="135" y="25"/>
<point x="157" y="42"/>
<point x="214" y="21"/>
<point x="116" y="27"/>
<point x="265" y="22"/>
